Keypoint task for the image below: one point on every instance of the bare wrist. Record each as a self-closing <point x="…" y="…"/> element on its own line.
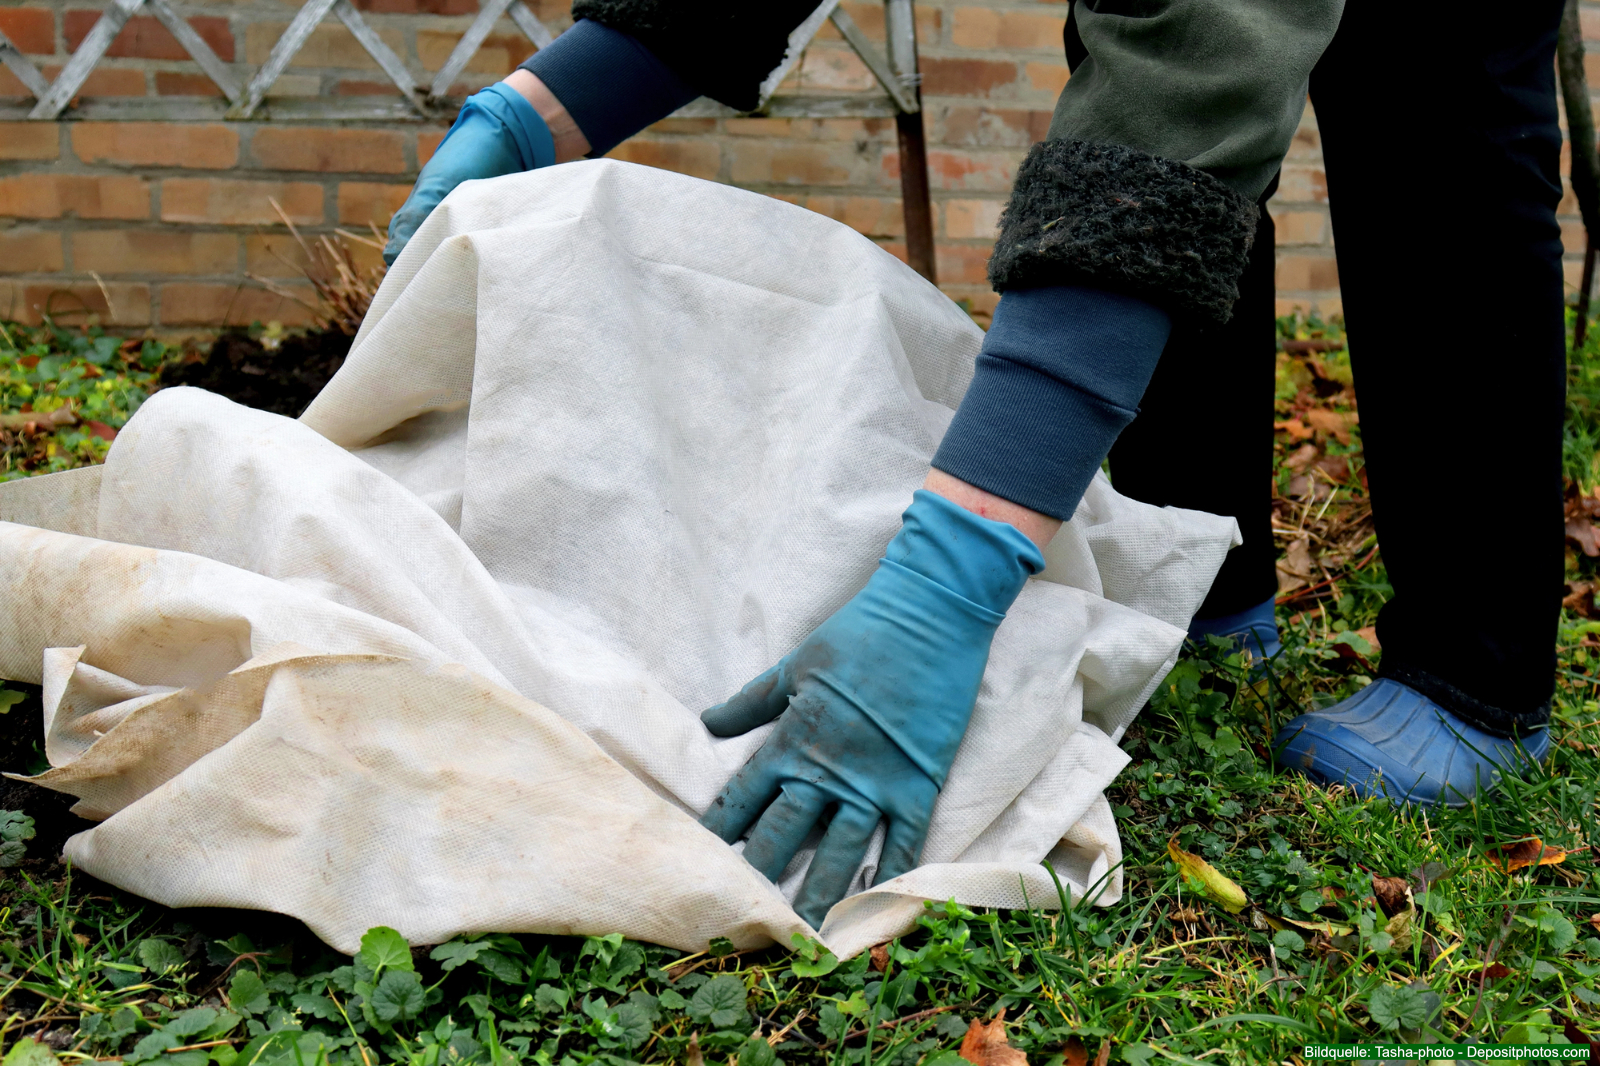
<point x="570" y="142"/>
<point x="1037" y="527"/>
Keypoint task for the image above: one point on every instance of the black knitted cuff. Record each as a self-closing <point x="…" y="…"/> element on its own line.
<point x="1490" y="719"/>
<point x="1119" y="219"/>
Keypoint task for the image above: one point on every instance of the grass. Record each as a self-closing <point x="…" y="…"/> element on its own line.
<point x="1474" y="953"/>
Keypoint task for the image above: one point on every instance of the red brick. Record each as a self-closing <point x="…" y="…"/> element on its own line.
<point x="870" y="215"/>
<point x="757" y="127"/>
<point x="102" y="81"/>
<point x="427" y="144"/>
<point x="330" y="45"/>
<point x="794" y="164"/>
<point x="700" y="159"/>
<point x="363" y="202"/>
<point x="860" y="130"/>
<point x="109" y="81"/>
<point x="275" y="255"/>
<point x="177" y="83"/>
<point x="71" y="302"/>
<point x="1301" y="184"/>
<point x="972" y="219"/>
<point x="142" y="37"/>
<point x="200" y="146"/>
<point x="958" y="264"/>
<point x="30" y="140"/>
<point x="1574" y="238"/>
<point x="1326" y="306"/>
<point x="985" y="27"/>
<point x="359" y="151"/>
<point x="990" y="127"/>
<point x="1300" y="227"/>
<point x="1048" y="77"/>
<point x="684" y="125"/>
<point x="30" y="251"/>
<point x="971" y="171"/>
<point x="499" y="54"/>
<point x="199" y="304"/>
<point x="1304" y="273"/>
<point x="154" y="251"/>
<point x="836" y="67"/>
<point x="239" y="203"/>
<point x="869" y="16"/>
<point x="83" y="195"/>
<point x="965" y="77"/>
<point x="349" y="87"/>
<point x="31" y="29"/>
<point x="419" y="7"/>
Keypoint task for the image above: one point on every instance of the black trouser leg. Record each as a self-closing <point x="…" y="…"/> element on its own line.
<point x="1203" y="438"/>
<point x="1443" y="181"/>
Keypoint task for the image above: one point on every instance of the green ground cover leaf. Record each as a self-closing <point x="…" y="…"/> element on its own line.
<point x="719" y="1001"/>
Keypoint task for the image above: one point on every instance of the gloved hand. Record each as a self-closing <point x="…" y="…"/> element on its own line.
<point x="498" y="132"/>
<point x="872" y="706"/>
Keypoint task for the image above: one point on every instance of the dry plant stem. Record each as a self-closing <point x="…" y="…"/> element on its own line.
<point x="1488" y="960"/>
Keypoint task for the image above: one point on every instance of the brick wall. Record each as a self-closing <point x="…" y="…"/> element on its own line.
<point x="167" y="219"/>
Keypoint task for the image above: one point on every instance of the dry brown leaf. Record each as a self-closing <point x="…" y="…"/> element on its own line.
<point x="1495" y="971"/>
<point x="1401" y="925"/>
<point x="1582" y="533"/>
<point x="880" y="957"/>
<point x="1579" y="597"/>
<point x="1594" y="920"/>
<point x="1296" y="428"/>
<point x="1336" y="467"/>
<point x="1393" y="894"/>
<point x="1332" y="423"/>
<point x="1073" y="1053"/>
<point x="1185" y="914"/>
<point x="1302" y="459"/>
<point x="1103" y="1056"/>
<point x="1294" y="569"/>
<point x="1511" y="857"/>
<point x="985" y="1045"/>
<point x="691" y="1054"/>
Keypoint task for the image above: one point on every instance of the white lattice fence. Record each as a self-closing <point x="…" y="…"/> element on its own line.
<point x="895" y="72"/>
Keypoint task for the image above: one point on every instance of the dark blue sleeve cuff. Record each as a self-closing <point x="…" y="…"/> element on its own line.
<point x="1060" y="376"/>
<point x="610" y="84"/>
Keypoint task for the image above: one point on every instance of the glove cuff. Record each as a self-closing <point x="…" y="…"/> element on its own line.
<point x="535" y="144"/>
<point x="981" y="560"/>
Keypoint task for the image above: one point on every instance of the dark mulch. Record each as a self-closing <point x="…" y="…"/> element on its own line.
<point x="21" y="744"/>
<point x="283" y="379"/>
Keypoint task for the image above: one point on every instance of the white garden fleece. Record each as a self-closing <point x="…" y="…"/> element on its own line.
<point x="611" y="442"/>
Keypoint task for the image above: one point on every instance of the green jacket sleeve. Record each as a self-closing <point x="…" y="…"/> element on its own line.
<point x="1176" y="118"/>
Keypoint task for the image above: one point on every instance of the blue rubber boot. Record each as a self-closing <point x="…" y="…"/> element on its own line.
<point x="1255" y="630"/>
<point x="1389" y="739"/>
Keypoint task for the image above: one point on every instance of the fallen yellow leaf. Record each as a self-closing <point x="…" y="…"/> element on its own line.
<point x="1203" y="878"/>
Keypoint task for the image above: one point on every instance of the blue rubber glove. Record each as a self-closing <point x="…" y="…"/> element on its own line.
<point x="872" y="706"/>
<point x="498" y="132"/>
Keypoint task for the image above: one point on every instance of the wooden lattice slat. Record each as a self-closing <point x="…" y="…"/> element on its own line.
<point x="798" y="40"/>
<point x="246" y="102"/>
<point x="18" y="64"/>
<point x="55" y="99"/>
<point x="196" y="46"/>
